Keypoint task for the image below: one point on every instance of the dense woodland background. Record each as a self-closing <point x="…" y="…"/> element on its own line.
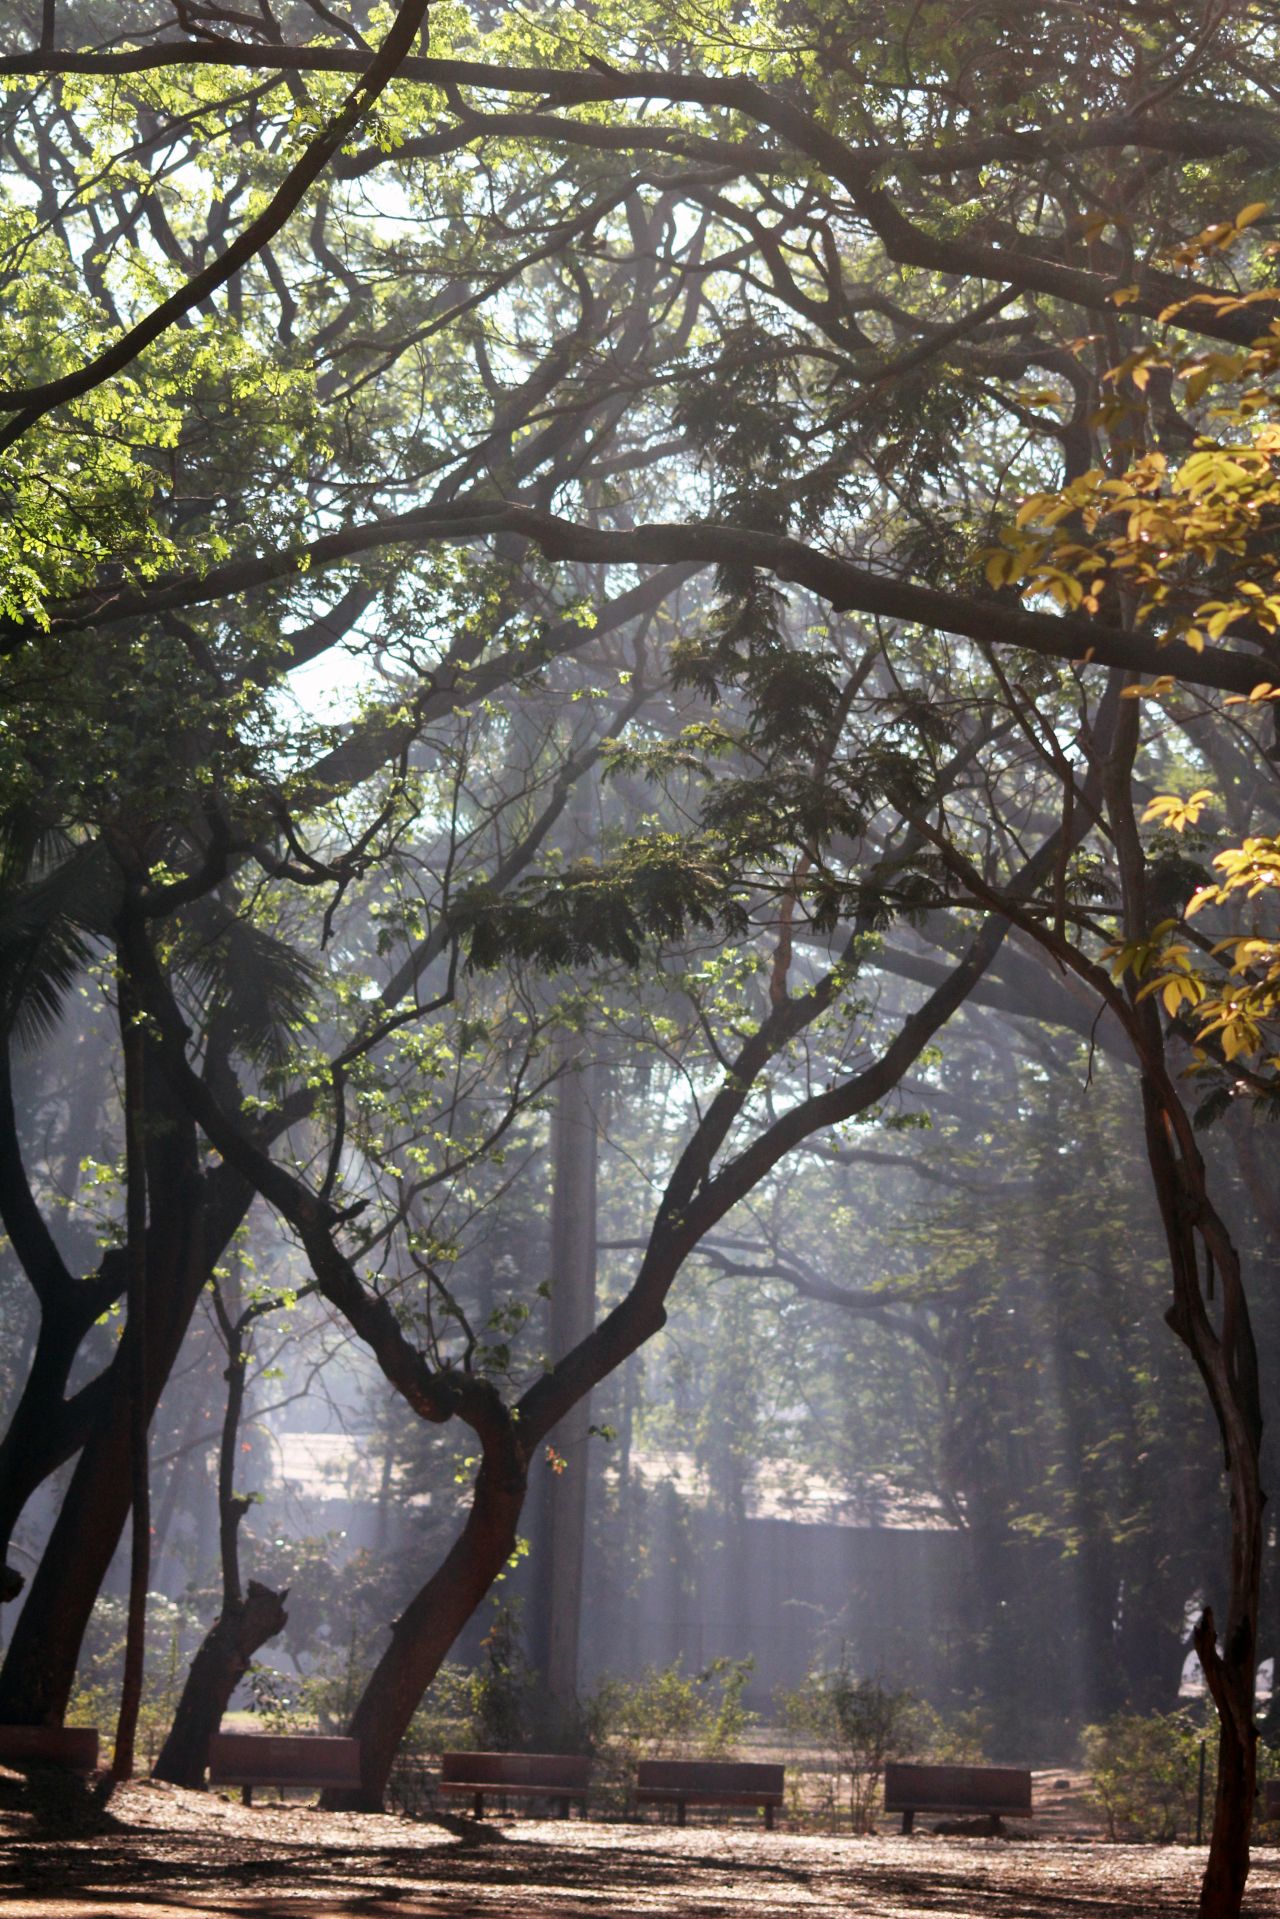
<point x="626" y="638"/>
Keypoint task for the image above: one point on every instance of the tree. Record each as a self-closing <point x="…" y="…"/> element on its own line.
<point x="1200" y="526"/>
<point x="838" y="298"/>
<point x="249" y="1616"/>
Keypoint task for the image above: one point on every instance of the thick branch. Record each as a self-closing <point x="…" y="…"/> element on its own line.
<point x="845" y="585"/>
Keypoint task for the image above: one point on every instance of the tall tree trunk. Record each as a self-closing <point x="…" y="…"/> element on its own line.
<point x="185" y="1238"/>
<point x="139" y="1420"/>
<point x="561" y="1477"/>
<point x="1227" y="1359"/>
<point x="1225" y="1354"/>
<point x="1222" y="1343"/>
<point x="46" y="1428"/>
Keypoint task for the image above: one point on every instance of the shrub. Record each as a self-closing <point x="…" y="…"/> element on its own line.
<point x="667" y="1713"/>
<point x="488" y="1708"/>
<point x="1144" y="1771"/>
<point x="96" y="1698"/>
<point x="501" y="1689"/>
<point x="855" y="1725"/>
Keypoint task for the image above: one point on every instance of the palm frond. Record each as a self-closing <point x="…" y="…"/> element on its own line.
<point x="50" y="927"/>
<point x="265" y="988"/>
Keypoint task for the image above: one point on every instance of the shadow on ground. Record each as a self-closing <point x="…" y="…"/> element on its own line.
<point x="148" y="1852"/>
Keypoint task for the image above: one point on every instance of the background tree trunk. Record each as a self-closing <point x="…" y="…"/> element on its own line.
<point x="560" y="1477"/>
<point x="247" y="1619"/>
<point x="139" y="1409"/>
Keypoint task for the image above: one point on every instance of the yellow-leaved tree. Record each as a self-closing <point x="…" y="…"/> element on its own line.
<point x="1189" y="542"/>
<point x="1175" y="528"/>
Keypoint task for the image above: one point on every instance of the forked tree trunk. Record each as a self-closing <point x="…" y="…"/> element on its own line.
<point x="696" y="1198"/>
<point x="40" y="1661"/>
<point x="248" y="1618"/>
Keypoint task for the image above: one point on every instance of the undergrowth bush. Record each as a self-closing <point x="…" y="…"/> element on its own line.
<point x="1144" y="1771"/>
<point x="850" y="1727"/>
<point x="667" y="1713"/>
<point x="95" y="1700"/>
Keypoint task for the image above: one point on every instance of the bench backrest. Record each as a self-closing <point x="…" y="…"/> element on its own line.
<point x="912" y="1788"/>
<point x="709" y="1775"/>
<point x="283" y="1759"/>
<point x="557" y="1771"/>
<point x="75" y="1747"/>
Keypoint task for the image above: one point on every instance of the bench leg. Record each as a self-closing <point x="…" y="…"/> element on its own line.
<point x="768" y="1818"/>
<point x="908" y="1821"/>
<point x="478" y="1805"/>
<point x="564" y="1808"/>
<point x="246" y="1795"/>
<point x="679" y="1812"/>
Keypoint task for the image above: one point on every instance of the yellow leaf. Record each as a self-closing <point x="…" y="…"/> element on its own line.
<point x="1247" y="215"/>
<point x="1164" y="683"/>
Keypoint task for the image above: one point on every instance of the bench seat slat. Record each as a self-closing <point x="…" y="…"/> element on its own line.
<point x="550" y="1772"/>
<point x="712" y="1797"/>
<point x="546" y="1775"/>
<point x="709" y="1775"/>
<point x="996" y="1790"/>
<point x="283" y="1759"/>
<point x="75" y="1747"/>
<point x="549" y="1789"/>
<point x="710" y="1782"/>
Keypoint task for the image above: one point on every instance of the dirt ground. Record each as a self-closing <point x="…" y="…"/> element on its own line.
<point x="70" y="1851"/>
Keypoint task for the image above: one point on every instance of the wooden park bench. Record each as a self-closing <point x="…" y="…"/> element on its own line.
<point x="989" y="1790"/>
<point x="75" y="1747"/>
<point x="709" y="1782"/>
<point x="249" y="1759"/>
<point x="561" y="1776"/>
